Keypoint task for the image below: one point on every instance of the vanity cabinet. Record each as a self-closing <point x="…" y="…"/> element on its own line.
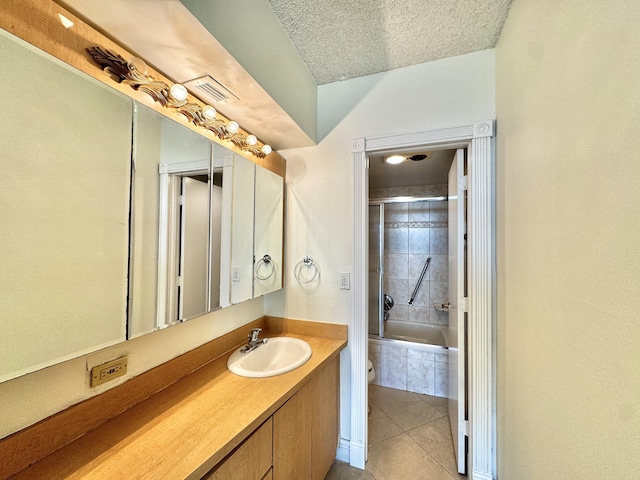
<point x="298" y="441"/>
<point x="305" y="428"/>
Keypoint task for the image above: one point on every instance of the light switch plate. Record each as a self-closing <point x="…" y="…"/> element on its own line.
<point x="345" y="281"/>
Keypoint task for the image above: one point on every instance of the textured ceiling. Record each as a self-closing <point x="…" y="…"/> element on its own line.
<point x="342" y="39"/>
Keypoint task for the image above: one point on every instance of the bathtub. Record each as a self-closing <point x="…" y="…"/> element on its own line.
<point x="432" y="335"/>
<point x="412" y="357"/>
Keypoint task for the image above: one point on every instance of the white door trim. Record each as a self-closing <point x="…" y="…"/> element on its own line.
<point x="478" y="138"/>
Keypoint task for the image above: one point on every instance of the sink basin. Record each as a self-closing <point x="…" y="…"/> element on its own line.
<point x="278" y="355"/>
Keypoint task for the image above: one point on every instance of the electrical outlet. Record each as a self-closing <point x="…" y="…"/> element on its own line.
<point x="345" y="281"/>
<point x="108" y="371"/>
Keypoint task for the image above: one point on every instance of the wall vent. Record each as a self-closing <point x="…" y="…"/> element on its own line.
<point x="209" y="90"/>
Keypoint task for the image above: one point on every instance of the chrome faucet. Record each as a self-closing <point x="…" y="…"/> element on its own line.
<point x="254" y="341"/>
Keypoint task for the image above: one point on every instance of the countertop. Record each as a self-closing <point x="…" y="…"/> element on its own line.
<point x="187" y="428"/>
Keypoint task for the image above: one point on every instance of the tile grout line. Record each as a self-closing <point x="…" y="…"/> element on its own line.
<point x="406" y="432"/>
<point x="391" y="420"/>
<point x="432" y="457"/>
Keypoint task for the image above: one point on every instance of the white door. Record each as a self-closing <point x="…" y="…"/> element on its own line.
<point x="194" y="248"/>
<point x="457" y="377"/>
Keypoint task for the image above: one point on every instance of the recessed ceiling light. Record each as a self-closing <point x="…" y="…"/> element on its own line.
<point x="395" y="159"/>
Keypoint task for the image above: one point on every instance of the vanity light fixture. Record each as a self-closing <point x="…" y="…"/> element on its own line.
<point x="134" y="73"/>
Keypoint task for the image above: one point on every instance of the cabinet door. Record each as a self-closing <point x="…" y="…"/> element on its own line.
<point x="292" y="439"/>
<point x="305" y="429"/>
<point x="324" y="395"/>
<point x="250" y="460"/>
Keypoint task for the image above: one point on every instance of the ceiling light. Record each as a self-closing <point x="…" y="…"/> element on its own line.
<point x="395" y="159"/>
<point x="251" y="140"/>
<point x="266" y="149"/>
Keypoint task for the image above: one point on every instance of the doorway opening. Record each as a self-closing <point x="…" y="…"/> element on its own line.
<point x="417" y="281"/>
<point x="477" y="139"/>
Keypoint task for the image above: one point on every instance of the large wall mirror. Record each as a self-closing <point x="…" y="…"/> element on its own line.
<point x="64" y="192"/>
<point x="117" y="220"/>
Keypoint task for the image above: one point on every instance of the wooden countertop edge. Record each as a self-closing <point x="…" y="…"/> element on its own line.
<point x="115" y="439"/>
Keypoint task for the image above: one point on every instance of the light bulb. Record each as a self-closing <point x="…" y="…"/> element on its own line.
<point x="179" y="92"/>
<point x="251" y="140"/>
<point x="209" y="112"/>
<point x="395" y="159"/>
<point x="232" y="127"/>
<point x="266" y="149"/>
<point x="138" y="64"/>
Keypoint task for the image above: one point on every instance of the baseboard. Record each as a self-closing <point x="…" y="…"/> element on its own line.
<point x="480" y="476"/>
<point x="342" y="453"/>
<point x="357" y="454"/>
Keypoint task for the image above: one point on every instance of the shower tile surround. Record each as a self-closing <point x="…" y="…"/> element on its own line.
<point x="412" y="233"/>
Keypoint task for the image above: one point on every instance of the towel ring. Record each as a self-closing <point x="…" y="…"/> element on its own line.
<point x="306" y="262"/>
<point x="266" y="259"/>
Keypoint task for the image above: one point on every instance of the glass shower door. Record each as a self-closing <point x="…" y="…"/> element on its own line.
<point x="376" y="245"/>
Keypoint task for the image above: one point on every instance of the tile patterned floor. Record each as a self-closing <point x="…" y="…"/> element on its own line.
<point x="409" y="438"/>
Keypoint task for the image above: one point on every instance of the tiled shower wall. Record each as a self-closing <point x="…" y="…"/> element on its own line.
<point x="412" y="233"/>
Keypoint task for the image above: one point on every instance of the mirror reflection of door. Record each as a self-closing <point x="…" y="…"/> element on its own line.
<point x="193" y="243"/>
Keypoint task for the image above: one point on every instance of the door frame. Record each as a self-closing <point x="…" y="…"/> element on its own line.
<point x="478" y="138"/>
<point x="165" y="224"/>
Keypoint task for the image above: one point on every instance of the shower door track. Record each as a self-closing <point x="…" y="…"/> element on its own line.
<point x="407" y="199"/>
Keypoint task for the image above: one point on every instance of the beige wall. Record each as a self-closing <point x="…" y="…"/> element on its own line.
<point x="443" y="93"/>
<point x="319" y="195"/>
<point x="568" y="212"/>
